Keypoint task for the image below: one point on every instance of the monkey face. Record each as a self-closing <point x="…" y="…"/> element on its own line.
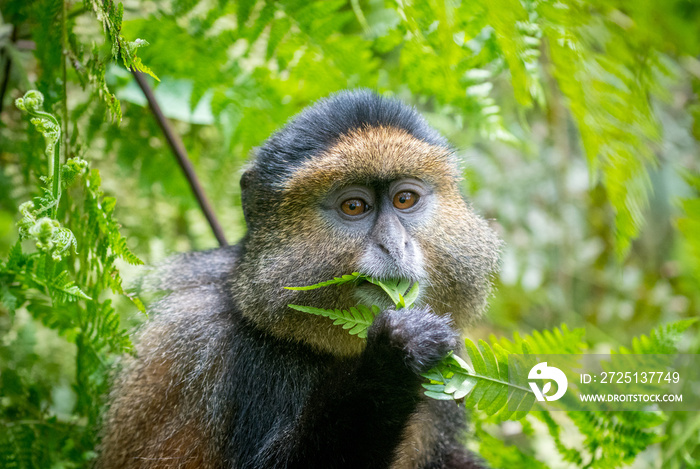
<point x="376" y="200"/>
<point x="384" y="216"/>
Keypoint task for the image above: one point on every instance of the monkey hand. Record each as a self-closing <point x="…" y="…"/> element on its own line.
<point x="418" y="336"/>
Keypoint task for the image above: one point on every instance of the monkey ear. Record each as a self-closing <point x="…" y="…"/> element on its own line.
<point x="247" y="178"/>
<point x="247" y="193"/>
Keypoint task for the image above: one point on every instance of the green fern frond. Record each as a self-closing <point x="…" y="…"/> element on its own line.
<point x="120" y="248"/>
<point x="7" y="453"/>
<point x="336" y="281"/>
<point x="104" y="328"/>
<point x="501" y="454"/>
<point x="16" y="258"/>
<point x="312" y="16"/>
<point x="111" y="16"/>
<point x="357" y="319"/>
<point x="559" y="340"/>
<point x="488" y="384"/>
<point x="661" y="340"/>
<point x="100" y="216"/>
<point x="64" y="290"/>
<point x="569" y="454"/>
<point x="614" y="439"/>
<point x="508" y="18"/>
<point x="182" y="7"/>
<point x="684" y="446"/>
<point x="7" y="299"/>
<point x="396" y="289"/>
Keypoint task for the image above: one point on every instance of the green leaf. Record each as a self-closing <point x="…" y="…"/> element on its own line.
<point x="244" y="8"/>
<point x="357" y="320"/>
<point x="661" y="340"/>
<point x="64" y="290"/>
<point x="486" y="386"/>
<point x="558" y="340"/>
<point x="111" y="18"/>
<point x="395" y="288"/>
<point x="336" y="281"/>
<point x="412" y="295"/>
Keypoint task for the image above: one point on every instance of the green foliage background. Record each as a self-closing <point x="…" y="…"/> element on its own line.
<point x="578" y="122"/>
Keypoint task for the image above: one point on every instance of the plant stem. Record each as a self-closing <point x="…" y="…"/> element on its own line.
<point x="64" y="72"/>
<point x="359" y="15"/>
<point x="62" y="142"/>
<point x="497" y="381"/>
<point x="8" y="67"/>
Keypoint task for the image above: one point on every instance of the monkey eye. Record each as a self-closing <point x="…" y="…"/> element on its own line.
<point x="405" y="199"/>
<point x="354" y="207"/>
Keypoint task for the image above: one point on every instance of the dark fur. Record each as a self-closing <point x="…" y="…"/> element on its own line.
<point x="228" y="377"/>
<point x="318" y="128"/>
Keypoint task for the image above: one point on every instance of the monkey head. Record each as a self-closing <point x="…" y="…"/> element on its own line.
<point x="357" y="183"/>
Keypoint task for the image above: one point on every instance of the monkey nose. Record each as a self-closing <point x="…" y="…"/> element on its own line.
<point x="391" y="238"/>
<point x="395" y="248"/>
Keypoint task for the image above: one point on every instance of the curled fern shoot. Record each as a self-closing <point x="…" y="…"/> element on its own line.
<point x="32" y="103"/>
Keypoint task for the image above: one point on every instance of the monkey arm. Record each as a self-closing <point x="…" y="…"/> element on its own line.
<point x="356" y="416"/>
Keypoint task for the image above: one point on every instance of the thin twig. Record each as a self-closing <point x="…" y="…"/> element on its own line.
<point x="62" y="154"/>
<point x="8" y="67"/>
<point x="181" y="156"/>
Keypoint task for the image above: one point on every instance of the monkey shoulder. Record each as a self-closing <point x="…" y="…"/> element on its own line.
<point x="204" y="374"/>
<point x="189" y="270"/>
<point x="161" y="398"/>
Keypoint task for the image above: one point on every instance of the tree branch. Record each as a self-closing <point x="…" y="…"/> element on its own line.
<point x="181" y="156"/>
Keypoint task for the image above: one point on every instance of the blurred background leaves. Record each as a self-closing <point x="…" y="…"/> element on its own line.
<point x="578" y="123"/>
